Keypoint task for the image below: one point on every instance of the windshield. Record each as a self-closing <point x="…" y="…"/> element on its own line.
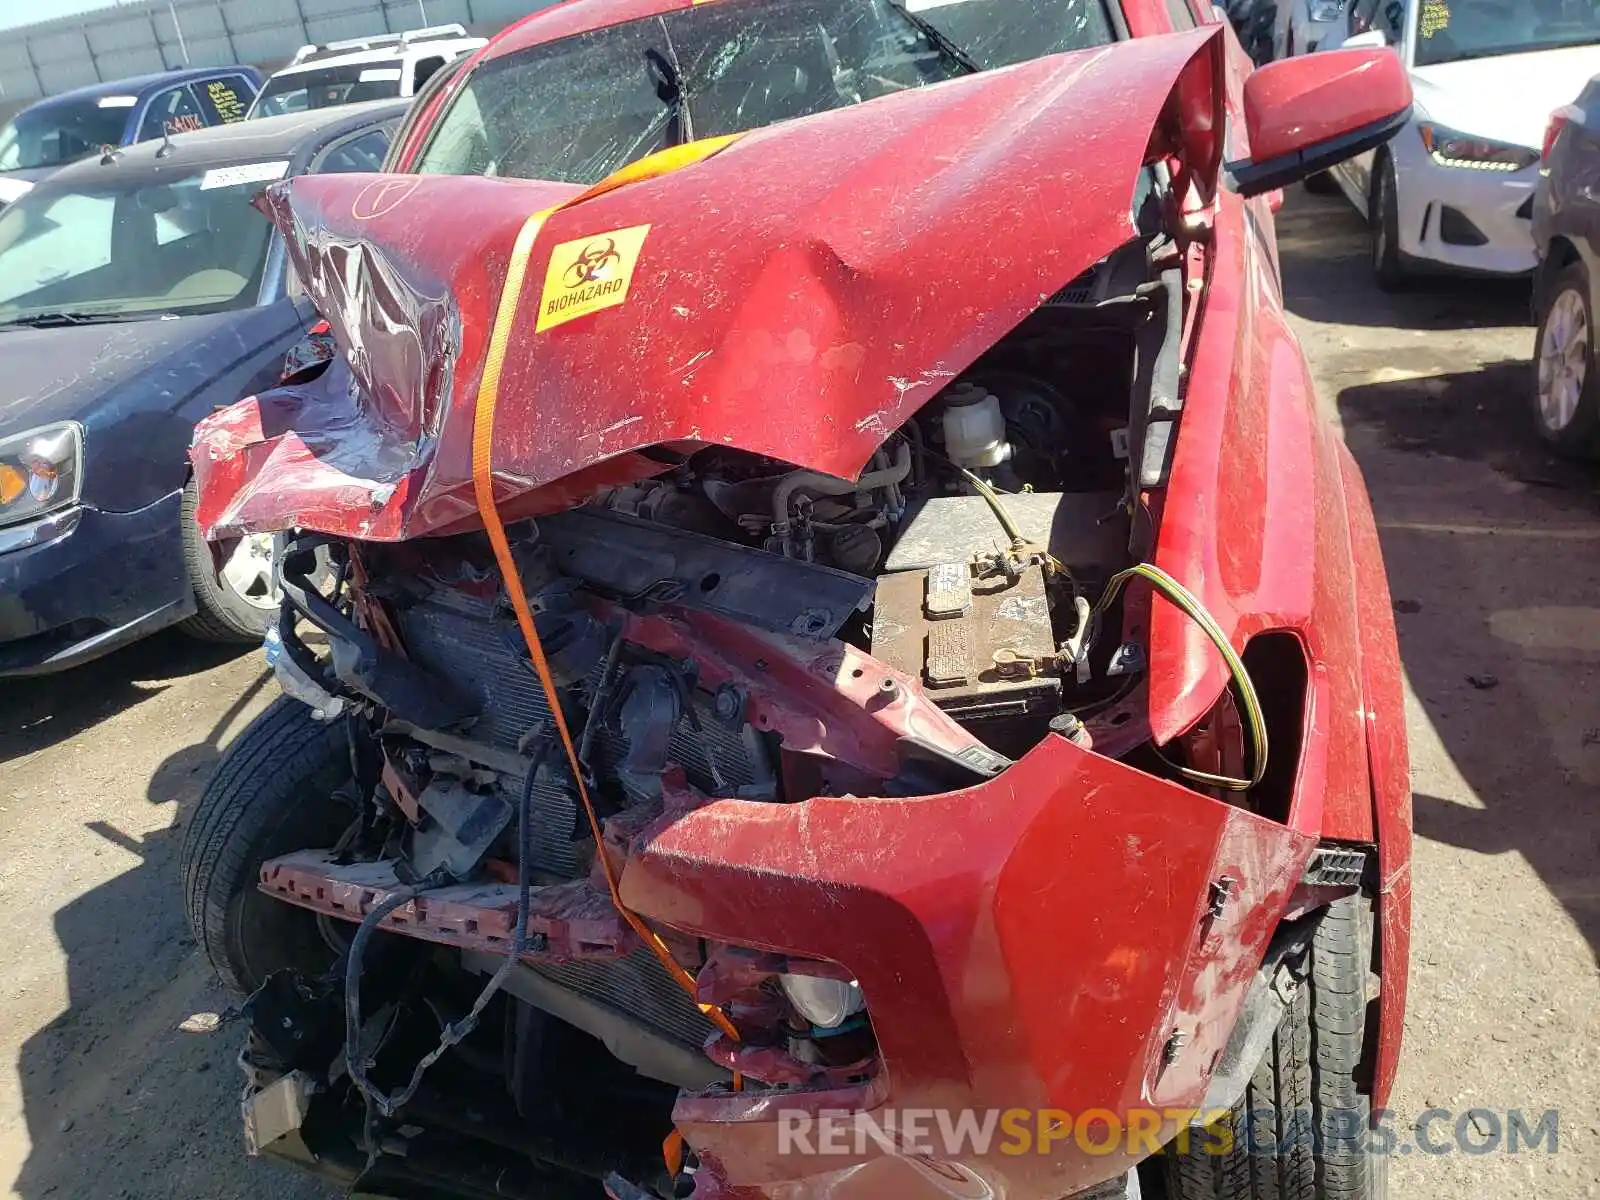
<point x="327" y="87"/>
<point x="187" y="244"/>
<point x="577" y="109"/>
<point x="1453" y="30"/>
<point x="62" y="133"/>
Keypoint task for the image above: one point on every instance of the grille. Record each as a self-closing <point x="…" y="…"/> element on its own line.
<point x="485" y="656"/>
<point x="637" y="987"/>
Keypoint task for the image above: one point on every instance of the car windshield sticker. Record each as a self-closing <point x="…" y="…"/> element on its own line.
<point x="226" y="101"/>
<point x="1434" y="18"/>
<point x="380" y="75"/>
<point x="589" y="274"/>
<point x="265" y="172"/>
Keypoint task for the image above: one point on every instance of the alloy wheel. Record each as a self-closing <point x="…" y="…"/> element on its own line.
<point x="247" y="571"/>
<point x="1563" y="360"/>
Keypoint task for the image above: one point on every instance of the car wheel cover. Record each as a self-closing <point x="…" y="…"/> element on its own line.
<point x="247" y="571"/>
<point x="1563" y="360"/>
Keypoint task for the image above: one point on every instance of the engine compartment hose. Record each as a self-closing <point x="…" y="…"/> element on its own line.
<point x="500" y="336"/>
<point x="1190" y="606"/>
<point x="829" y="485"/>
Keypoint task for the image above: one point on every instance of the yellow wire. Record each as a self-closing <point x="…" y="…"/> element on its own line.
<point x="1194" y="610"/>
<point x="1186" y="601"/>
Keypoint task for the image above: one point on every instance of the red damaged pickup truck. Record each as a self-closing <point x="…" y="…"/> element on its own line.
<point x="847" y="663"/>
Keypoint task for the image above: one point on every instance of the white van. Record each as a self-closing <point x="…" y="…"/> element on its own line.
<point x="374" y="68"/>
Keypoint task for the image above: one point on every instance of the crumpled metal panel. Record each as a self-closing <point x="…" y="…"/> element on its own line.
<point x="844" y="298"/>
<point x="1048" y="939"/>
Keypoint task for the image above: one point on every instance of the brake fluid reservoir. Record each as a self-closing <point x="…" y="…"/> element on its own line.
<point x="974" y="428"/>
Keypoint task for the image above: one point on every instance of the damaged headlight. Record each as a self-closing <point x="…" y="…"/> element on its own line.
<point x="40" y="471"/>
<point x="826" y="1003"/>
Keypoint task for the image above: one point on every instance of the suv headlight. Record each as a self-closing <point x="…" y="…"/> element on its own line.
<point x="1452" y="148"/>
<point x="1326" y="10"/>
<point x="40" y="471"/>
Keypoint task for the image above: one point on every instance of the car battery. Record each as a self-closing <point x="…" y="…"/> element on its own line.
<point x="982" y="646"/>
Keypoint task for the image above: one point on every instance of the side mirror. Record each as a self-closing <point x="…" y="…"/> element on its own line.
<point x="1371" y="39"/>
<point x="1307" y="113"/>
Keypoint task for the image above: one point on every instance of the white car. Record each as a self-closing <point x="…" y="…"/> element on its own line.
<point x="1453" y="190"/>
<point x="384" y="67"/>
<point x="1306" y="25"/>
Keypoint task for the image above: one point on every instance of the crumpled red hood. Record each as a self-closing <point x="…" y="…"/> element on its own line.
<point x="798" y="295"/>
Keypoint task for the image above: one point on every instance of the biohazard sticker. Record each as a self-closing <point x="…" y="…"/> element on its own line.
<point x="589" y="274"/>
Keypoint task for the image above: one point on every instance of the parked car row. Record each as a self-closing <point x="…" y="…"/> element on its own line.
<point x="1493" y="174"/>
<point x="87" y="121"/>
<point x="139" y="291"/>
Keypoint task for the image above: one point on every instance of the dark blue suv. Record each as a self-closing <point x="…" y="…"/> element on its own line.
<point x="79" y="123"/>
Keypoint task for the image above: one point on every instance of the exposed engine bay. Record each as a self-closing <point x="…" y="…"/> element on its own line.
<point x="733" y="628"/>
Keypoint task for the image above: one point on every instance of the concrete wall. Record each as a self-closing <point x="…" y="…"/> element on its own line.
<point x="140" y="37"/>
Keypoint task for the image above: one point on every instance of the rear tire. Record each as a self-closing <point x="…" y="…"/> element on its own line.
<point x="1565" y="392"/>
<point x="272" y="793"/>
<point x="1301" y="1131"/>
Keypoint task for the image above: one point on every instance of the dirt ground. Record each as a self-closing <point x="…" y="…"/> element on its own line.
<point x="1494" y="558"/>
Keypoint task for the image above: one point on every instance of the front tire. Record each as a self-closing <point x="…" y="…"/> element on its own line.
<point x="272" y="793"/>
<point x="1566" y="395"/>
<point x="238" y="603"/>
<point x="1383" y="216"/>
<point x="1302" y="1128"/>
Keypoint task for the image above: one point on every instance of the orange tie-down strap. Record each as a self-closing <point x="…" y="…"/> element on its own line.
<point x="483" y="487"/>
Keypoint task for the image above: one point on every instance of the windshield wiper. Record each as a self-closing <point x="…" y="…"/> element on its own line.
<point x="57" y="320"/>
<point x="940" y="39"/>
<point x="668" y="83"/>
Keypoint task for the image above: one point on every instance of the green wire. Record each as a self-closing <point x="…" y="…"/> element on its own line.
<point x="1191" y="607"/>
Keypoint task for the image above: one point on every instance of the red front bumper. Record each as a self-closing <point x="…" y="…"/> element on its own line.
<point x="1073" y="935"/>
<point x="1057" y="956"/>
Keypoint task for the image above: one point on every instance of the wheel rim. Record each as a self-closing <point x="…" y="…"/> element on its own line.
<point x="1563" y="360"/>
<point x="247" y="571"/>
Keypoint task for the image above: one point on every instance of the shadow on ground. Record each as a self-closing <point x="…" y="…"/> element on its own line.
<point x="1325" y="248"/>
<point x="40" y="712"/>
<point x="119" y="1102"/>
<point x="1495" y="573"/>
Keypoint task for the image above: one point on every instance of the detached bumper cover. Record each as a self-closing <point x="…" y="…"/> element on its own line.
<point x="103" y="580"/>
<point x="1072" y="935"/>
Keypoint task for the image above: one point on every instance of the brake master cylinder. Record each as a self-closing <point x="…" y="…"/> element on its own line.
<point x="974" y="428"/>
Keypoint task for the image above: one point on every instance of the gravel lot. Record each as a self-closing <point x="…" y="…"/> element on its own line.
<point x="1494" y="558"/>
